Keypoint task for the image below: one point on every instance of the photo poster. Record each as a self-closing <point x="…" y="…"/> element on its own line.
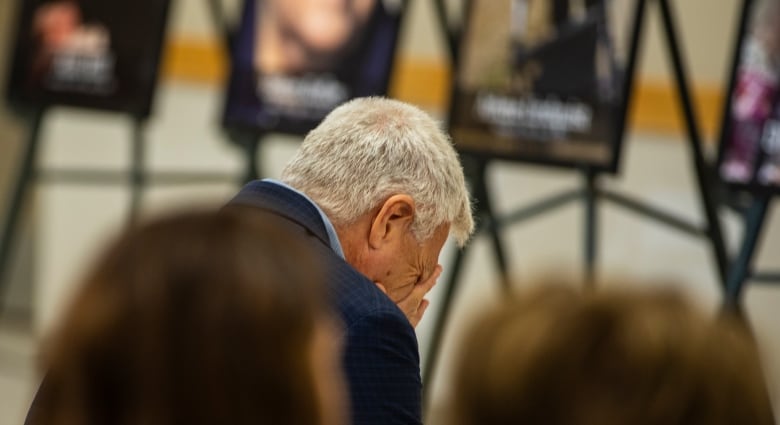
<point x="542" y="81"/>
<point x="749" y="154"/>
<point x="95" y="54"/>
<point x="294" y="61"/>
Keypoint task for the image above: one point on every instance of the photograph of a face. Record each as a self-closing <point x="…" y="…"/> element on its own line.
<point x="542" y="80"/>
<point x="750" y="150"/>
<point x="293" y="61"/>
<point x="88" y="53"/>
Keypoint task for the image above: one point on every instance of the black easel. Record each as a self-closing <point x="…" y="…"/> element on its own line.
<point x="19" y="194"/>
<point x="591" y="191"/>
<point x="221" y="23"/>
<point x="752" y="207"/>
<point x="740" y="270"/>
<point x="249" y="142"/>
<point x="137" y="178"/>
<point x="28" y="174"/>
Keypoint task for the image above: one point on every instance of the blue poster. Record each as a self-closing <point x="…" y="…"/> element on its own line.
<point x="293" y="61"/>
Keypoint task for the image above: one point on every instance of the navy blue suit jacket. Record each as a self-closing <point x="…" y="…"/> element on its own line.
<point x="381" y="358"/>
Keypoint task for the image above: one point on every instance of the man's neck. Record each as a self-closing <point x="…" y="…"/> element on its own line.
<point x="353" y="239"/>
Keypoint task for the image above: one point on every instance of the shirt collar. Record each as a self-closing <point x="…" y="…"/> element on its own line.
<point x="333" y="238"/>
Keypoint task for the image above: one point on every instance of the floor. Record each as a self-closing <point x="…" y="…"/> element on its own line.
<point x="67" y="223"/>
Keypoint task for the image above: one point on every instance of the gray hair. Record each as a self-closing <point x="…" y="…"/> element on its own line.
<point x="369" y="149"/>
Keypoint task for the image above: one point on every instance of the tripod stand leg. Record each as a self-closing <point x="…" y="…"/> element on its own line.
<point x="489" y="221"/>
<point x="703" y="174"/>
<point x="252" y="168"/>
<point x="591" y="227"/>
<point x="451" y="39"/>
<point x="137" y="174"/>
<point x="475" y="172"/>
<point x="498" y="250"/>
<point x="738" y="273"/>
<point x="220" y="22"/>
<point x="19" y="196"/>
<point x="429" y="369"/>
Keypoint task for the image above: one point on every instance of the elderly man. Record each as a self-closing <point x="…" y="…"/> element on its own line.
<point x="376" y="188"/>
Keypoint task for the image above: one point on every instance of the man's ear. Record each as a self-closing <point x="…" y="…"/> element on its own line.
<point x="392" y="221"/>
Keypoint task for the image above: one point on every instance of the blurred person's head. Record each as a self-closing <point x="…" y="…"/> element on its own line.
<point x="557" y="356"/>
<point x="296" y="35"/>
<point x="391" y="183"/>
<point x="197" y="318"/>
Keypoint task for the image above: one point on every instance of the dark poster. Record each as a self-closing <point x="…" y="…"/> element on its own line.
<point x="541" y="81"/>
<point x="750" y="148"/>
<point x="295" y="60"/>
<point x="88" y="53"/>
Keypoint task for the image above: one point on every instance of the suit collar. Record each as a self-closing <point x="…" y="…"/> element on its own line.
<point x="284" y="202"/>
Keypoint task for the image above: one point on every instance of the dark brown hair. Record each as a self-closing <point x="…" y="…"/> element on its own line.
<point x="560" y="357"/>
<point x="196" y="318"/>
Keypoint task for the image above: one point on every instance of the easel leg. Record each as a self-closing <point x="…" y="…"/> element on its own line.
<point x="740" y="269"/>
<point x="137" y="174"/>
<point x="475" y="172"/>
<point x="451" y="38"/>
<point x="591" y="228"/>
<point x="429" y="369"/>
<point x="703" y="174"/>
<point x="488" y="220"/>
<point x="498" y="251"/>
<point x="252" y="168"/>
<point x="19" y="197"/>
<point x="221" y="23"/>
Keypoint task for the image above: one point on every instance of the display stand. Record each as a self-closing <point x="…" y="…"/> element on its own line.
<point x="249" y="143"/>
<point x="270" y="91"/>
<point x="741" y="269"/>
<point x="18" y="195"/>
<point x="752" y="206"/>
<point x="591" y="192"/>
<point x="221" y="23"/>
<point x="27" y="174"/>
<point x="137" y="178"/>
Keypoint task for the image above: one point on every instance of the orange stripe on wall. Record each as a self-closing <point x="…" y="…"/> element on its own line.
<point x="421" y="81"/>
<point x="426" y="82"/>
<point x="656" y="107"/>
<point x="195" y="60"/>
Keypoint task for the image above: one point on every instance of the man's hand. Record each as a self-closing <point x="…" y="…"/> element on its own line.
<point x="414" y="304"/>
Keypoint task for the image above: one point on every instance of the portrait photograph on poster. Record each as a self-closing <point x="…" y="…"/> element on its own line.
<point x="88" y="53"/>
<point x="542" y="81"/>
<point x="749" y="153"/>
<point x="293" y="61"/>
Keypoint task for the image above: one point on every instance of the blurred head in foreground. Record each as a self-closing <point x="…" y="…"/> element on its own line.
<point x="197" y="318"/>
<point x="557" y="356"/>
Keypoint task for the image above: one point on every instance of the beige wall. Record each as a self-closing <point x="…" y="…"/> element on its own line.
<point x="708" y="28"/>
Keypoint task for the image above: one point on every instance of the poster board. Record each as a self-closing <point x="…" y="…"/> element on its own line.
<point x="542" y="81"/>
<point x="293" y="62"/>
<point x="88" y="53"/>
<point x="749" y="151"/>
